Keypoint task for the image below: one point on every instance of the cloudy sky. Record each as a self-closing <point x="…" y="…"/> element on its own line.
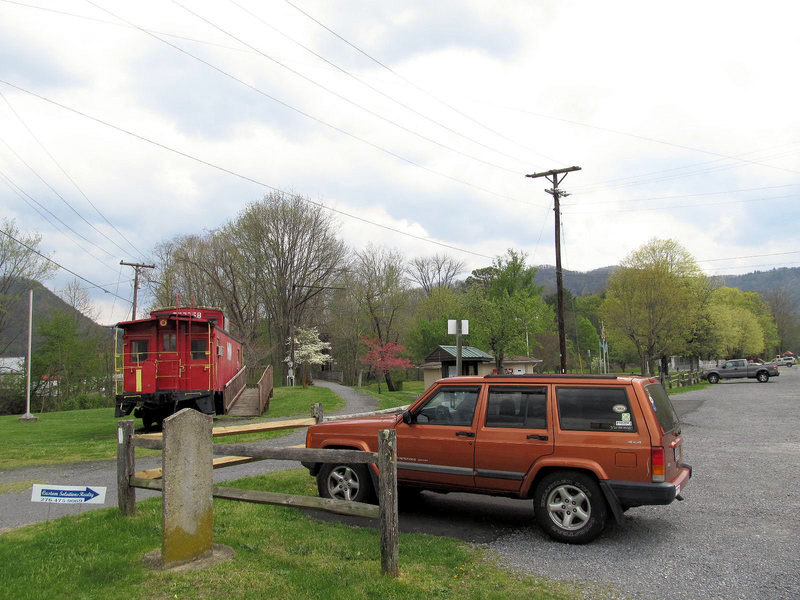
<point x="124" y="124"/>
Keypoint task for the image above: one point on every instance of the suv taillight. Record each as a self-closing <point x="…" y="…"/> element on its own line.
<point x="657" y="462"/>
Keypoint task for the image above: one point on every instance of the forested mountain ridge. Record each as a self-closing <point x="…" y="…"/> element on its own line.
<point x="582" y="283"/>
<point x="14" y="338"/>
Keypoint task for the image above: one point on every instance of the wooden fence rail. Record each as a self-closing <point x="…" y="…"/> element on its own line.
<point x="386" y="459"/>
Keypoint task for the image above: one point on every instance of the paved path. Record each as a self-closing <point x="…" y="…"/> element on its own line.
<point x="16" y="508"/>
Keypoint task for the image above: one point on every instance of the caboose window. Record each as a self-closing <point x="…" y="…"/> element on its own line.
<point x="168" y="343"/>
<point x="139" y="351"/>
<point x="199" y="349"/>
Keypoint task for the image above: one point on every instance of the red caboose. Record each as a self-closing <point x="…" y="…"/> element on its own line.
<point x="177" y="358"/>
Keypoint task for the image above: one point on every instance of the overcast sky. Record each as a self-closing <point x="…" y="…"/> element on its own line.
<point x="124" y="124"/>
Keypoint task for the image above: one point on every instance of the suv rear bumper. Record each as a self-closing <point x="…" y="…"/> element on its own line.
<point x="631" y="493"/>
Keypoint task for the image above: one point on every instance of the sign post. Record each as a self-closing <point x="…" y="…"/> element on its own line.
<point x="458" y="327"/>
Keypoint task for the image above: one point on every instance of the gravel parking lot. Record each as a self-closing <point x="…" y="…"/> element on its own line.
<point x="735" y="536"/>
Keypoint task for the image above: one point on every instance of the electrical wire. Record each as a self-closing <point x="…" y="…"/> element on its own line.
<point x="72" y="181"/>
<point x="420" y="89"/>
<point x="373" y="88"/>
<point x="60" y="266"/>
<point x="344" y="98"/>
<point x="236" y="174"/>
<point x="308" y="115"/>
<point x="27" y="198"/>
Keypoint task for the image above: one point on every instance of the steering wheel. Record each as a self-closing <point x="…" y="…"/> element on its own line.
<point x="442" y="414"/>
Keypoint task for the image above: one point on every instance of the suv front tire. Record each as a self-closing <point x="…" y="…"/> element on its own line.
<point x="570" y="507"/>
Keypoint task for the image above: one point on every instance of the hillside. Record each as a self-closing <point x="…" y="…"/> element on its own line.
<point x="14" y="339"/>
<point x="592" y="282"/>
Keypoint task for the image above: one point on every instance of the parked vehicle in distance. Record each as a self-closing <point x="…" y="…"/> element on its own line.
<point x="739" y="368"/>
<point x="584" y="448"/>
<point x="786" y="360"/>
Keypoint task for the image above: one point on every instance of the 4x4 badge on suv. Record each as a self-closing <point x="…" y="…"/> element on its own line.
<point x="619" y="408"/>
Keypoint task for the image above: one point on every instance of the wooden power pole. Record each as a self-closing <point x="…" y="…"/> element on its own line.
<point x="136" y="269"/>
<point x="553" y="177"/>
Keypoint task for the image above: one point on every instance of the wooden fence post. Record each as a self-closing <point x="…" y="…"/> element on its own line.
<point x="126" y="467"/>
<point x="387" y="495"/>
<point x="316" y="412"/>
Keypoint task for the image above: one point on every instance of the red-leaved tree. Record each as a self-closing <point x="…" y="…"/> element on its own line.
<point x="382" y="359"/>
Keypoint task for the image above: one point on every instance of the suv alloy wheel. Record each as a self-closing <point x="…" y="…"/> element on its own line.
<point x="570" y="507"/>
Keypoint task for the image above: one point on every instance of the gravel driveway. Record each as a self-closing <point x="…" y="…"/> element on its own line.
<point x="737" y="533"/>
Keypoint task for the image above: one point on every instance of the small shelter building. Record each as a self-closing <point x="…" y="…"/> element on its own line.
<point x="442" y="363"/>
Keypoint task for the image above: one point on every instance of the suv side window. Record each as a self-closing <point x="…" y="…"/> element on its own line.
<point x="517" y="406"/>
<point x="593" y="409"/>
<point x="449" y="406"/>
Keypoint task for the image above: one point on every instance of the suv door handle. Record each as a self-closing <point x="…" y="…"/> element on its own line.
<point x="465" y="433"/>
<point x="534" y="436"/>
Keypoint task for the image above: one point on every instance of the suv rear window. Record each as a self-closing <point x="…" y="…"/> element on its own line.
<point x="524" y="407"/>
<point x="592" y="409"/>
<point x="665" y="412"/>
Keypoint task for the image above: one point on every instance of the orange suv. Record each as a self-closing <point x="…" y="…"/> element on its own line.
<point x="584" y="448"/>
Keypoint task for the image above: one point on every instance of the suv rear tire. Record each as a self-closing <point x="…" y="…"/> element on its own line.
<point x="570" y="507"/>
<point x="345" y="482"/>
<point x="713" y="378"/>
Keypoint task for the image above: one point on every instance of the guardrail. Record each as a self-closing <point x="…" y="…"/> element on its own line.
<point x="179" y="478"/>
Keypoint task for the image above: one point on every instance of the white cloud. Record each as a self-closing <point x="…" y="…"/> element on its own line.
<point x="546" y="84"/>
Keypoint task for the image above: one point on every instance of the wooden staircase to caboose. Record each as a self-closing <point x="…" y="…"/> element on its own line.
<point x="241" y="400"/>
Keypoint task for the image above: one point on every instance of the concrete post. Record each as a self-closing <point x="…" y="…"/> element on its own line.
<point x="187" y="507"/>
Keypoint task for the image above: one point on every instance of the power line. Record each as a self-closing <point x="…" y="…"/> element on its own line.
<point x="653" y="140"/>
<point x="64" y="200"/>
<point x="755" y="189"/>
<point x="341" y="97"/>
<point x="72" y="181"/>
<point x="60" y="266"/>
<point x="672" y="206"/>
<point x="26" y="197"/>
<point x="418" y="88"/>
<point x="305" y="114"/>
<point x="235" y="174"/>
<point x="371" y="87"/>
<point x="750" y="256"/>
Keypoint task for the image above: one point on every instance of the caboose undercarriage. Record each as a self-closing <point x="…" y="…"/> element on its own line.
<point x="152" y="409"/>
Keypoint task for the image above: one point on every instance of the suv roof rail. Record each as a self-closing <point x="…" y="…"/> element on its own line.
<point x="550" y="376"/>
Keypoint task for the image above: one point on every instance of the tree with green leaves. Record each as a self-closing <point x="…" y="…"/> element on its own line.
<point x="20" y="261"/>
<point x="653" y="299"/>
<point x="503" y="304"/>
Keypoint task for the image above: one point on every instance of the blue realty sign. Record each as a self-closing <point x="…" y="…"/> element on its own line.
<point x="68" y="494"/>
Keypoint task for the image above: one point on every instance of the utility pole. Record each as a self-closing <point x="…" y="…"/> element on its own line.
<point x="553" y="177"/>
<point x="136" y="270"/>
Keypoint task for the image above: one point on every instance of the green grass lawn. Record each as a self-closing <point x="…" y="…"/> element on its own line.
<point x="410" y="392"/>
<point x="280" y="553"/>
<point x="84" y="435"/>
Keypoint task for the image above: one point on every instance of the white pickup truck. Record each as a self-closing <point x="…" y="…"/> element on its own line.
<point x="740" y="368"/>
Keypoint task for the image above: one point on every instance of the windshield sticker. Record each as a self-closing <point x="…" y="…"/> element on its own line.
<point x="624" y="424"/>
<point x="619" y="408"/>
<point x="626" y="417"/>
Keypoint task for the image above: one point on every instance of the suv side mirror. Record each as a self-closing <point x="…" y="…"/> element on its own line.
<point x="408" y="418"/>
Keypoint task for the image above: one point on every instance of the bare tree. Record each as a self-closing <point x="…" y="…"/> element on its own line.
<point x="434" y="271"/>
<point x="19" y="261"/>
<point x="381" y="291"/>
<point x="292" y="255"/>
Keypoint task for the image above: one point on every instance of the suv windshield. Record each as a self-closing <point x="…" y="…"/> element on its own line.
<point x="665" y="412"/>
